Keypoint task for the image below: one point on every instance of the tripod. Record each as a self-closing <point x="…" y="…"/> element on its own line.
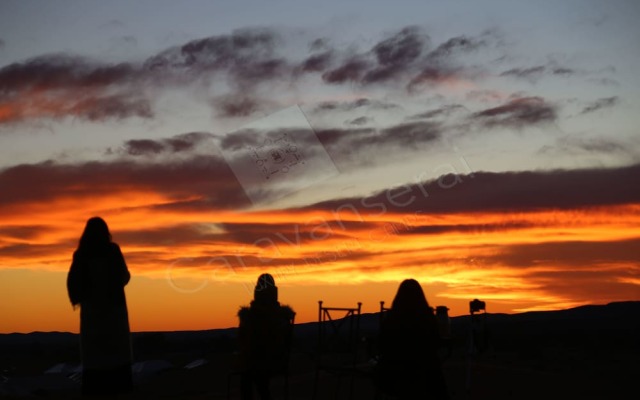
<point x="477" y="338"/>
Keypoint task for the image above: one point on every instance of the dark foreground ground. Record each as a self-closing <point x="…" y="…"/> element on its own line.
<point x="590" y="352"/>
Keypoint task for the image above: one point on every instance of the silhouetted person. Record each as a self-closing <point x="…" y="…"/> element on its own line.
<point x="96" y="283"/>
<point x="264" y="336"/>
<point x="409" y="366"/>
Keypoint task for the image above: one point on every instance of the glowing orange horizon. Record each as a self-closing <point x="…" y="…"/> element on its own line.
<point x="465" y="256"/>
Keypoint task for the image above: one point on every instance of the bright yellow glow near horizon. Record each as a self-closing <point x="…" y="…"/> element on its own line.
<point x="199" y="283"/>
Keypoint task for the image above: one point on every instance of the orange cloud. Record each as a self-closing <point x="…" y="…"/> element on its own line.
<point x="519" y="259"/>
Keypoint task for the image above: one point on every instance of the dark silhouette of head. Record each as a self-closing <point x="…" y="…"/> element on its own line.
<point x="96" y="235"/>
<point x="266" y="291"/>
<point x="410" y="299"/>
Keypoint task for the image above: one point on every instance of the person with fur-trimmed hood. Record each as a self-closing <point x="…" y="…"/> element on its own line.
<point x="265" y="335"/>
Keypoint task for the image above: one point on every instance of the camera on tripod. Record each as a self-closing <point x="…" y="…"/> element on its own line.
<point x="477" y="306"/>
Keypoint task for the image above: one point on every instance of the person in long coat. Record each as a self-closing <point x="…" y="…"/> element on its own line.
<point x="95" y="283"/>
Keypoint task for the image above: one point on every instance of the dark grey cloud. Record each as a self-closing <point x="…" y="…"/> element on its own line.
<point x="336" y="138"/>
<point x="605" y="102"/>
<point x="445" y="111"/>
<point x="111" y="107"/>
<point x="433" y="76"/>
<point x="186" y="141"/>
<point x="251" y="56"/>
<point x="396" y="54"/>
<point x="246" y="57"/>
<point x="319" y="44"/>
<point x="535" y="73"/>
<point x="208" y="178"/>
<point x="60" y="85"/>
<point x="354" y="142"/>
<point x="518" y="113"/>
<point x="359" y="121"/>
<point x="347" y="106"/>
<point x="597" y="145"/>
<point x="594" y="145"/>
<point x="390" y="58"/>
<point x="344" y="145"/>
<point x="351" y="70"/>
<point x="531" y="73"/>
<point x="406" y="58"/>
<point x="56" y="86"/>
<point x="237" y="105"/>
<point x="260" y="71"/>
<point x="403" y="47"/>
<point x="457" y="45"/>
<point x="407" y="134"/>
<point x="60" y="72"/>
<point x="218" y="52"/>
<point x="504" y="191"/>
<point x="600" y="146"/>
<point x="180" y="143"/>
<point x="563" y="71"/>
<point x="241" y="139"/>
<point x="245" y="60"/>
<point x="317" y="62"/>
<point x="138" y="147"/>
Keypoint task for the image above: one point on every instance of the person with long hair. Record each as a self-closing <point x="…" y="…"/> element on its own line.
<point x="409" y="366"/>
<point x="95" y="283"/>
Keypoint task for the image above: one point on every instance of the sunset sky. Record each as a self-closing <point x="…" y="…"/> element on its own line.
<point x="487" y="149"/>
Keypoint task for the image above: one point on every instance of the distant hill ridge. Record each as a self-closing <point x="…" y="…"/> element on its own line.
<point x="615" y="314"/>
